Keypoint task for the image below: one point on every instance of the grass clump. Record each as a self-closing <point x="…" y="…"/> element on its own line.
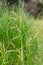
<point x="21" y="39"/>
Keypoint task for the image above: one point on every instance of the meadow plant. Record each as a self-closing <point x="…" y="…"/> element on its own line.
<point x="21" y="38"/>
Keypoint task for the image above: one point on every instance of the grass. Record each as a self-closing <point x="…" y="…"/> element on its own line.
<point x="21" y="38"/>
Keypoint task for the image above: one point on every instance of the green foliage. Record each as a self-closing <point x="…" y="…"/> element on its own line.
<point x="21" y="40"/>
